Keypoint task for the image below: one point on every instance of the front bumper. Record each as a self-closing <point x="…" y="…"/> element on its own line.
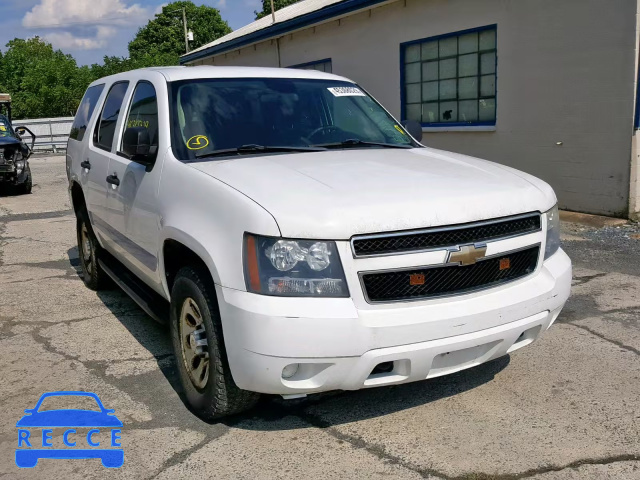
<point x="338" y="345"/>
<point x="10" y="175"/>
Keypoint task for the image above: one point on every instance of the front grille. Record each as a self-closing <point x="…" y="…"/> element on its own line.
<point x="6" y="168"/>
<point x="449" y="279"/>
<point x="440" y="237"/>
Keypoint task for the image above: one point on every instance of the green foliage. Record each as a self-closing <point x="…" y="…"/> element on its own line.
<point x="164" y="35"/>
<point x="43" y="82"/>
<point x="278" y="4"/>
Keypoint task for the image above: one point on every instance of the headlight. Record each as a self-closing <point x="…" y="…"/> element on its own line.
<point x="19" y="166"/>
<point x="553" y="232"/>
<point x="293" y="268"/>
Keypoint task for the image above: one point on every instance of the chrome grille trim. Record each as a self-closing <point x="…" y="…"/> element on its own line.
<point x="447" y="228"/>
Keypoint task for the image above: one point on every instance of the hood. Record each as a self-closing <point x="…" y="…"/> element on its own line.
<point x="340" y="193"/>
<point x="8" y="140"/>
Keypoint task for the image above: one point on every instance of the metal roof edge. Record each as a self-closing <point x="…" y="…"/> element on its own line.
<point x="278" y="29"/>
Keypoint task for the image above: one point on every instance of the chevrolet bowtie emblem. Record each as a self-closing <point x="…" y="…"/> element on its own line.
<point x="466" y="254"/>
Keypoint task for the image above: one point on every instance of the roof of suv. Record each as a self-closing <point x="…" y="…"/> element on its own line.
<point x="173" y="74"/>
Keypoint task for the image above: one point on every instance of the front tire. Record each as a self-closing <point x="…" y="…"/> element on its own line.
<point x="198" y="344"/>
<point x="26" y="187"/>
<point x="89" y="251"/>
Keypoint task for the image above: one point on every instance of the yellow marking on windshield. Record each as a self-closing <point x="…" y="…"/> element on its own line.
<point x="197" y="142"/>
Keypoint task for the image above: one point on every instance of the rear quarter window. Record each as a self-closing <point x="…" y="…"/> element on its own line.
<point x="85" y="110"/>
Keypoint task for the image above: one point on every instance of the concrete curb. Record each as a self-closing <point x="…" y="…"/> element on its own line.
<point x="588" y="220"/>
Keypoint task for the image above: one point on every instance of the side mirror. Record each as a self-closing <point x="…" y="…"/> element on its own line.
<point x="20" y="130"/>
<point x="136" y="144"/>
<point x="414" y="129"/>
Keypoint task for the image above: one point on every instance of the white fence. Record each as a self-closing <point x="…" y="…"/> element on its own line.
<point x="51" y="133"/>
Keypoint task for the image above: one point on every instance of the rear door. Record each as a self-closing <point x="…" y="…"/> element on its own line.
<point x="77" y="149"/>
<point x="132" y="205"/>
<point x="100" y="150"/>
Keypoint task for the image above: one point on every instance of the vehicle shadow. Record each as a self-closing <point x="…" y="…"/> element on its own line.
<point x="151" y="335"/>
<point x="336" y="408"/>
<point x="320" y="410"/>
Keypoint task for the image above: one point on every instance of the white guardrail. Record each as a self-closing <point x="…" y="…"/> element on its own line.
<point x="51" y="133"/>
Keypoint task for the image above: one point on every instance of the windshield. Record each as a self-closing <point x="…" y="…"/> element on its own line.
<point x="212" y="115"/>
<point x="5" y="127"/>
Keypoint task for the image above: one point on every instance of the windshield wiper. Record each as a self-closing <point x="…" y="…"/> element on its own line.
<point x="252" y="148"/>
<point x="354" y="142"/>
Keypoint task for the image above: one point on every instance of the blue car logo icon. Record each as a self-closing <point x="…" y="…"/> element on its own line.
<point x="105" y="429"/>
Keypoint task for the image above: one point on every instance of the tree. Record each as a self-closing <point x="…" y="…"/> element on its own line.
<point x="43" y="82"/>
<point x="163" y="36"/>
<point x="278" y="4"/>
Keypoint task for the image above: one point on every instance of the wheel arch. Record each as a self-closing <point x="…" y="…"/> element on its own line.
<point x="179" y="250"/>
<point x="78" y="202"/>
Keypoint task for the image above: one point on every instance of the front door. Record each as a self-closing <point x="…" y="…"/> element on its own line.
<point x="132" y="205"/>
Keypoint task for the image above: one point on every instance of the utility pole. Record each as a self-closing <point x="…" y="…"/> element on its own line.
<point x="186" y="34"/>
<point x="273" y="17"/>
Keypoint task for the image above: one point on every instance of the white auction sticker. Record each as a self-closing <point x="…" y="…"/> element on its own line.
<point x="346" y="92"/>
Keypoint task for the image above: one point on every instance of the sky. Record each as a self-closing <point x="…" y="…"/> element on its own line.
<point x="91" y="29"/>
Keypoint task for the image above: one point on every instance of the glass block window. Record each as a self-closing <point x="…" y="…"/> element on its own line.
<point x="451" y="79"/>
<point x="321" y="66"/>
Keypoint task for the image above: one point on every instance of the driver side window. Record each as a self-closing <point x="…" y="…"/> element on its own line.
<point x="143" y="113"/>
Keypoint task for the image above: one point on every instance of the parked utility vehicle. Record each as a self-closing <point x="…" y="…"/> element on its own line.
<point x="299" y="239"/>
<point x="15" y="171"/>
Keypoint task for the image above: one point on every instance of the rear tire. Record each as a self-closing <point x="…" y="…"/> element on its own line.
<point x="202" y="365"/>
<point x="89" y="252"/>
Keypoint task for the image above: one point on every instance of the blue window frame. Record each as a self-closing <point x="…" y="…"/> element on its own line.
<point x="450" y="80"/>
<point x="320" y="65"/>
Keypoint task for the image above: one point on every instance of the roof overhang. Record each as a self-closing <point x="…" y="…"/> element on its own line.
<point x="276" y="30"/>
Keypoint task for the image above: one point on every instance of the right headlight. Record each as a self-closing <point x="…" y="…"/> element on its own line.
<point x="553" y="232"/>
<point x="293" y="268"/>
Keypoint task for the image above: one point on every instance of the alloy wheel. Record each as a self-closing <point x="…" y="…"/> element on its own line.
<point x="86" y="247"/>
<point x="193" y="339"/>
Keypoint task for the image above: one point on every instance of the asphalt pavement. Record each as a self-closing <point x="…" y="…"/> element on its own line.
<point x="566" y="407"/>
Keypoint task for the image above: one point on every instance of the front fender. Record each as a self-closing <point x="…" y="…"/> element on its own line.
<point x="172" y="233"/>
<point x="211" y="218"/>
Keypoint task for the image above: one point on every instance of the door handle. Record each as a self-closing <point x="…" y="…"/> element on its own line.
<point x="86" y="164"/>
<point x="113" y="180"/>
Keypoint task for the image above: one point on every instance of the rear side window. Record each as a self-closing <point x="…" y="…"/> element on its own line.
<point x="85" y="110"/>
<point x="144" y="112"/>
<point x="106" y="128"/>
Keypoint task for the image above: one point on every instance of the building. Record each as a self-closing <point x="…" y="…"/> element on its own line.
<point x="545" y="86"/>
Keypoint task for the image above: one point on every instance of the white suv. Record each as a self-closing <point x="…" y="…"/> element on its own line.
<point x="298" y="239"/>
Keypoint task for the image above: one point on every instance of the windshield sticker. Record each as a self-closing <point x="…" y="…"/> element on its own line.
<point x="3" y="128"/>
<point x="397" y="127"/>
<point x="197" y="142"/>
<point x="138" y="123"/>
<point x="346" y="92"/>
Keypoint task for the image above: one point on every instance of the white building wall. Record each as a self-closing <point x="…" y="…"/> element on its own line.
<point x="566" y="73"/>
<point x="634" y="188"/>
